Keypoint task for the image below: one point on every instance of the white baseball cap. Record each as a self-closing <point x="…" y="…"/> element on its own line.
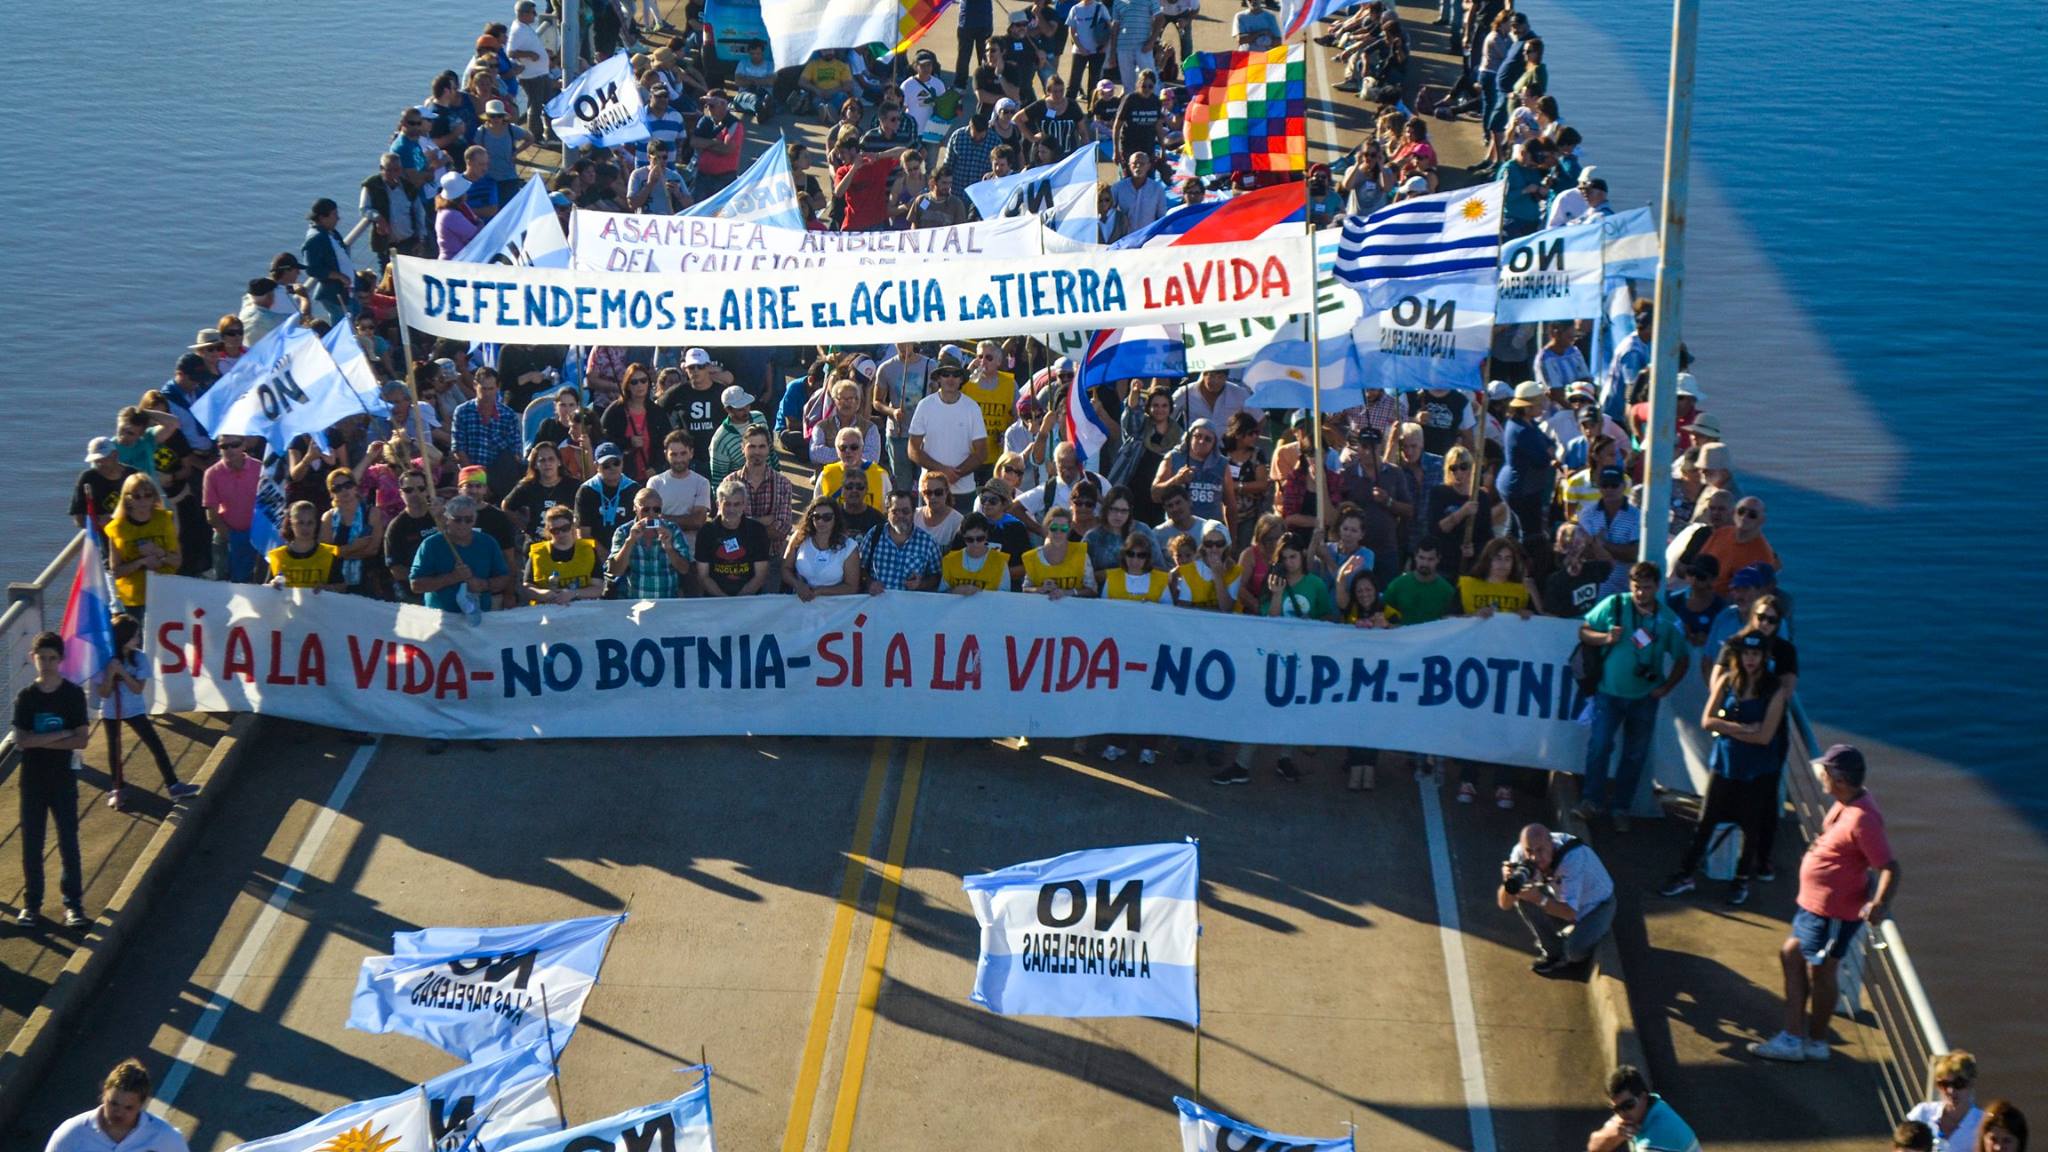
<point x="735" y="396"/>
<point x="696" y="358"/>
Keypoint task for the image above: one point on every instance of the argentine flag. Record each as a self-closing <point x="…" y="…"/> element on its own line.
<point x="1207" y="1130"/>
<point x="489" y="1105"/>
<point x="679" y="1125"/>
<point x="1280" y="375"/>
<point x="764" y="194"/>
<point x="1062" y="194"/>
<point x="1436" y="235"/>
<point x="1103" y="932"/>
<point x="397" y="1123"/>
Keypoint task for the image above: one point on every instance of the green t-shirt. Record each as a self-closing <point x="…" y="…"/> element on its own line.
<point x="1309" y="599"/>
<point x="1618" y="676"/>
<point x="1418" y="601"/>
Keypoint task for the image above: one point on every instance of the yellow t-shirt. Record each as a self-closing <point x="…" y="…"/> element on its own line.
<point x="832" y="475"/>
<point x="1070" y="573"/>
<point x="992" y="576"/>
<point x="125" y="539"/>
<point x="575" y="572"/>
<point x="1474" y="594"/>
<point x="1118" y="586"/>
<point x="313" y="570"/>
<point x="831" y="75"/>
<point x="1581" y="491"/>
<point x="1203" y="588"/>
<point x="998" y="404"/>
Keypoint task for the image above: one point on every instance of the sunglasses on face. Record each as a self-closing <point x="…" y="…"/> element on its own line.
<point x="822" y="514"/>
<point x="1748" y="513"/>
<point x="561" y="526"/>
<point x="1212" y="543"/>
<point x="345" y="486"/>
<point x="1768" y="618"/>
<point x="1955" y="1083"/>
<point x="975" y="539"/>
<point x="462" y="519"/>
<point x="411" y="489"/>
<point x="1137" y="554"/>
<point x="608" y="465"/>
<point x="1083" y="502"/>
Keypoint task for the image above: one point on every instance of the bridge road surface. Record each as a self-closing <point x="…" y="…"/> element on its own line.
<point x="1323" y="976"/>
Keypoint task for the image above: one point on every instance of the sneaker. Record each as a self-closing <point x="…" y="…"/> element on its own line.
<point x="1232" y="775"/>
<point x="75" y="918"/>
<point x="1148" y="756"/>
<point x="1560" y="967"/>
<point x="1738" y="893"/>
<point x="182" y="790"/>
<point x="436" y="747"/>
<point x="1585" y="810"/>
<point x="1112" y="752"/>
<point x="1767" y="874"/>
<point x="1467" y="793"/>
<point x="1678" y="885"/>
<point x="1284" y="768"/>
<point x="1817" y="1051"/>
<point x="1784" y="1047"/>
<point x="28" y="918"/>
<point x="1503" y="797"/>
<point x="115" y="800"/>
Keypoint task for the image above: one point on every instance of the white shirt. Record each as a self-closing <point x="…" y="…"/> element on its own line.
<point x="681" y="495"/>
<point x="1033" y="500"/>
<point x="1569" y="204"/>
<point x="822" y="569"/>
<point x="523" y="37"/>
<point x="942" y="533"/>
<point x="920" y="99"/>
<point x="949" y="431"/>
<point x="82" y="1133"/>
<point x="1964" y="1139"/>
<point x="1581" y="881"/>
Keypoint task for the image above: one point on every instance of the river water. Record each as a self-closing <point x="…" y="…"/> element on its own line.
<point x="1864" y="272"/>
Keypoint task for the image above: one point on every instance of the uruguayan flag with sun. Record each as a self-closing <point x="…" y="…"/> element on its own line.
<point x="1434" y="235"/>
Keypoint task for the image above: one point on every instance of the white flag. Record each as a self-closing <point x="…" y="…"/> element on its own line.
<point x="603" y="106"/>
<point x="679" y="1125"/>
<point x="391" y="1124"/>
<point x="1062" y="194"/>
<point x="298" y="389"/>
<point x="799" y="28"/>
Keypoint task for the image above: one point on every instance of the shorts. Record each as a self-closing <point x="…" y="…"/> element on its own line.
<point x="1822" y="939"/>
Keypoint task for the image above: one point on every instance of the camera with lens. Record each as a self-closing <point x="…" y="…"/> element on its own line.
<point x="1521" y="874"/>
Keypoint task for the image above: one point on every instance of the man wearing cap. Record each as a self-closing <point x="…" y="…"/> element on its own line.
<point x="921" y="91"/>
<point x="1021" y="57"/>
<point x="1572" y="203"/>
<point x="729" y="441"/>
<point x="1835" y="902"/>
<point x="1646" y="657"/>
<point x="1595" y="192"/>
<point x="947" y="433"/>
<point x="719" y="138"/>
<point x="501" y="141"/>
<point x="604" y="501"/>
<point x="1745" y="588"/>
<point x="267" y="303"/>
<point x="190" y="379"/>
<point x="1528" y="474"/>
<point x="693" y="404"/>
<point x="1613" y="527"/>
<point x="523" y="44"/>
<point x="98" y="491"/>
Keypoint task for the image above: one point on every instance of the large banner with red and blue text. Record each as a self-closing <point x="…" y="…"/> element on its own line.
<point x="898" y="664"/>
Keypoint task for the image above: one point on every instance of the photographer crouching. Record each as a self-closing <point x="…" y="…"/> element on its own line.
<point x="1563" y="893"/>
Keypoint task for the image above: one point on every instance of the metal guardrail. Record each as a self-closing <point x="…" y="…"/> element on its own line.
<point x="1879" y="968"/>
<point x="28" y="612"/>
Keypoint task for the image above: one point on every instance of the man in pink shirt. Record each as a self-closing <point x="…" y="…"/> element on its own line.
<point x="229" y="493"/>
<point x="1835" y="902"/>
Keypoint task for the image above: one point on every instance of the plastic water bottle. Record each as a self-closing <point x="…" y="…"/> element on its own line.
<point x="471" y="607"/>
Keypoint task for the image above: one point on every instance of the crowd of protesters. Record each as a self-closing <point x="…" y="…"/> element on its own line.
<point x="628" y="473"/>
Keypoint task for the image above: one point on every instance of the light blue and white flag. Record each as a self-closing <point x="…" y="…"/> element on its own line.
<point x="300" y="391"/>
<point x="1103" y="932"/>
<point x="1207" y="1130"/>
<point x="1280" y="375"/>
<point x="396" y="1123"/>
<point x="602" y="107"/>
<point x="1557" y="274"/>
<point x="679" y="1125"/>
<point x="252" y="369"/>
<point x="476" y="992"/>
<point x="798" y="29"/>
<point x="1435" y="235"/>
<point x="525" y="232"/>
<point x="1294" y="14"/>
<point x="1429" y="333"/>
<point x="347" y="352"/>
<point x="1062" y="194"/>
<point x="764" y="194"/>
<point x="490" y="1105"/>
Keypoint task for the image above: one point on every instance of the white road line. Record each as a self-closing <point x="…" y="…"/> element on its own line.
<point x="194" y="1048"/>
<point x="1464" y="1021"/>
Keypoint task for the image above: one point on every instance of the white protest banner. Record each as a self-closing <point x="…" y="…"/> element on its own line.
<point x="1062" y="194"/>
<point x="603" y="106"/>
<point x="1557" y="274"/>
<point x="619" y="242"/>
<point x="1100" y="932"/>
<point x="679" y="1125"/>
<point x="939" y="300"/>
<point x="797" y="29"/>
<point x="900" y="664"/>
<point x="474" y="992"/>
<point x="1232" y="343"/>
<point x="1432" y="332"/>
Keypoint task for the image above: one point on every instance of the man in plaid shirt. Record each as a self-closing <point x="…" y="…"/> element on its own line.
<point x="900" y="556"/>
<point x="484" y="430"/>
<point x="770" y="499"/>
<point x="649" y="554"/>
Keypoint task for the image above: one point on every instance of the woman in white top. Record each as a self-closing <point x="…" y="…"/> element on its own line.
<point x="939" y="519"/>
<point x="1953" y="1114"/>
<point x="822" y="560"/>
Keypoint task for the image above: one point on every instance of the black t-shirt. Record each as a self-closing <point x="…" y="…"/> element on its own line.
<point x="1567" y="595"/>
<point x="492" y="522"/>
<point x="1439" y="417"/>
<point x="1141" y="124"/>
<point x="858" y="523"/>
<point x="531" y="498"/>
<point x="732" y="552"/>
<point x="986" y="79"/>
<point x="1063" y="128"/>
<point x="697" y="412"/>
<point x="60" y="710"/>
<point x="600" y="515"/>
<point x="1013" y="538"/>
<point x="516" y="360"/>
<point x="98" y="495"/>
<point x="1020" y="61"/>
<point x="402" y="539"/>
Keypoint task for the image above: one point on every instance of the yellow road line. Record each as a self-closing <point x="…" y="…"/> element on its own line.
<point x="797" y="1132"/>
<point x="877" y="957"/>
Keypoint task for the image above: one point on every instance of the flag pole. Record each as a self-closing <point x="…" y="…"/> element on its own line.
<point x="1314" y="330"/>
<point x="554" y="1057"/>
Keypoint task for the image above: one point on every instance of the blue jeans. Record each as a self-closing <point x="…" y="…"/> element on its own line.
<point x="1451" y="12"/>
<point x="1493" y="112"/>
<point x="1574" y="941"/>
<point x="1636" y="720"/>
